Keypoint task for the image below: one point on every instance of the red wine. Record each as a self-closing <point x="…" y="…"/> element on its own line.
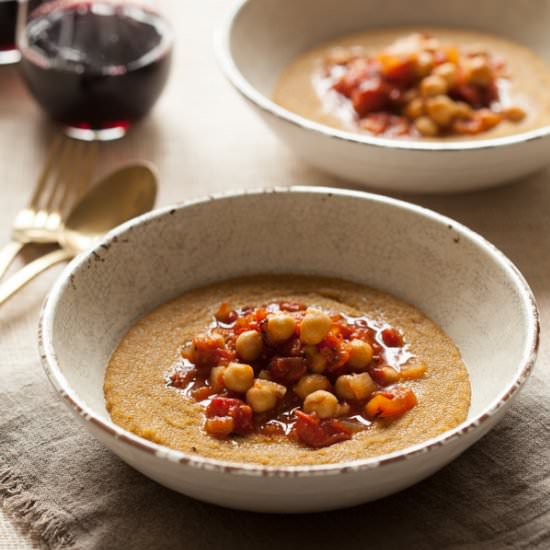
<point x="96" y="65"/>
<point x="8" y="15"/>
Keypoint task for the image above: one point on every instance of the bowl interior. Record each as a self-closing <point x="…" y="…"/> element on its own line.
<point x="266" y="35"/>
<point x="458" y="280"/>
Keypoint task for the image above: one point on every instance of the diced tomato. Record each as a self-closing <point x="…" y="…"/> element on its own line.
<point x="287" y="370"/>
<point x="272" y="429"/>
<point x="314" y="432"/>
<point x="220" y="426"/>
<point x="359" y="70"/>
<point x="292" y="347"/>
<point x="392" y="338"/>
<point x="369" y="97"/>
<point x="208" y="351"/>
<point x="468" y="93"/>
<point x="225" y="314"/>
<point x="261" y="314"/>
<point x="181" y="378"/>
<point x="391" y="404"/>
<point x="200" y="394"/>
<point x="491" y="93"/>
<point x="401" y="71"/>
<point x="343" y="329"/>
<point x="235" y="409"/>
<point x="488" y="119"/>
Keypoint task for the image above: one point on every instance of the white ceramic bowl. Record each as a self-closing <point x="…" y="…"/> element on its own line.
<point x="460" y="280"/>
<point x="260" y="37"/>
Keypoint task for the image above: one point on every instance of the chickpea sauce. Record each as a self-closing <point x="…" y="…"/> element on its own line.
<point x="285" y="369"/>
<point x="429" y="83"/>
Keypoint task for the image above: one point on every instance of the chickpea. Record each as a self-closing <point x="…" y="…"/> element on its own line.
<point x="409" y="95"/>
<point x="315" y="326"/>
<point x="322" y="402"/>
<point x="280" y="327"/>
<point x="441" y="109"/>
<point x="360" y="354"/>
<point x="463" y="110"/>
<point x="316" y="361"/>
<point x="343" y="409"/>
<point x="263" y="395"/>
<point x="424" y="63"/>
<point x="433" y="85"/>
<point x="448" y="71"/>
<point x="354" y="386"/>
<point x="426" y="126"/>
<point x="414" y="109"/>
<point x="238" y="377"/>
<point x="216" y="378"/>
<point x="249" y="345"/>
<point x="514" y="113"/>
<point x="310" y="383"/>
<point x="478" y="71"/>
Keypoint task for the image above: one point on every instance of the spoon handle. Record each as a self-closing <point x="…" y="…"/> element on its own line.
<point x="30" y="271"/>
<point x="8" y="254"/>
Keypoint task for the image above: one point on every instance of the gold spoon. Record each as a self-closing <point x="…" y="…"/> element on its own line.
<point x="122" y="195"/>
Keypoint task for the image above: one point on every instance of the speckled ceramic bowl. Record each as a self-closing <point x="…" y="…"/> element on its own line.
<point x="261" y="37"/>
<point x="460" y="280"/>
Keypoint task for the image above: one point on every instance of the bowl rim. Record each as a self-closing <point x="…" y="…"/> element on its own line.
<point x="71" y="398"/>
<point x="222" y="49"/>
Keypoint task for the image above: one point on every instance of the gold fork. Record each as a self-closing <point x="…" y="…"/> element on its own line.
<point x="63" y="181"/>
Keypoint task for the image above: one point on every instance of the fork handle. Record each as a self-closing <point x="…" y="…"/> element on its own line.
<point x="8" y="254"/>
<point x="26" y="274"/>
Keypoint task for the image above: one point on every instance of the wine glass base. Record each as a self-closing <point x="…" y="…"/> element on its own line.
<point x="8" y="57"/>
<point x="102" y="134"/>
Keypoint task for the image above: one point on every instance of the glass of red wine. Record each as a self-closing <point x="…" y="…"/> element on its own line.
<point x="95" y="66"/>
<point x="8" y="16"/>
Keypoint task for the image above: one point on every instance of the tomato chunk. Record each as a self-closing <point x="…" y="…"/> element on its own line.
<point x="391" y="404"/>
<point x="287" y="370"/>
<point x="468" y="93"/>
<point x="181" y="378"/>
<point x="227" y="413"/>
<point x="369" y="97"/>
<point x="208" y="351"/>
<point x="314" y="432"/>
<point x="359" y="70"/>
<point x="400" y="71"/>
<point x="392" y="338"/>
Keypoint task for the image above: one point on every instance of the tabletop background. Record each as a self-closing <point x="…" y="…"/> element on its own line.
<point x="204" y="139"/>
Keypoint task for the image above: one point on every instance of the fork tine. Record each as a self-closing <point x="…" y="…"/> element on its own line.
<point x="45" y="174"/>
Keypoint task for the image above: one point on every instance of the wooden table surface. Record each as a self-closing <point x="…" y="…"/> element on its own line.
<point x="204" y="139"/>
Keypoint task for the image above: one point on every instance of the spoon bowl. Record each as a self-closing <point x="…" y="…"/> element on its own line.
<point x="122" y="195"/>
